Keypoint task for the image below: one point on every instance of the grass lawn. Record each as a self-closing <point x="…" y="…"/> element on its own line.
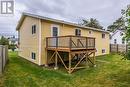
<point x="111" y="71"/>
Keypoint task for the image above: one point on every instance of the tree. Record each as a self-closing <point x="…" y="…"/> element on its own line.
<point x="126" y="14"/>
<point x="118" y="24"/>
<point x="92" y="23"/>
<point x="127" y="19"/>
<point x="4" y="41"/>
<point x="12" y="47"/>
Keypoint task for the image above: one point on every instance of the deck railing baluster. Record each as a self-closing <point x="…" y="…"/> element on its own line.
<point x="56" y="42"/>
<point x="70" y="42"/>
<point x="94" y="42"/>
<point x="89" y="42"/>
<point x="86" y="42"/>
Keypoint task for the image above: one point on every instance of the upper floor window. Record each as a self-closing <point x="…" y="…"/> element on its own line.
<point x="33" y="29"/>
<point x="115" y="42"/>
<point x="54" y="31"/>
<point x="103" y="35"/>
<point x="90" y="32"/>
<point x="77" y="32"/>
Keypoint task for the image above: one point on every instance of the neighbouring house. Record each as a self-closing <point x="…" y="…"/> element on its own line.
<point x="117" y="37"/>
<point x="40" y="38"/>
<point x="13" y="40"/>
<point x="13" y="43"/>
<point x="8" y="35"/>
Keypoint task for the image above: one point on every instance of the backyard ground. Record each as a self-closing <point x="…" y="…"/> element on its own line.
<point x="111" y="71"/>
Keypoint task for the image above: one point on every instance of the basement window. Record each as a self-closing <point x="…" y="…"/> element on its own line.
<point x="33" y="55"/>
<point x="103" y="50"/>
<point x="33" y="29"/>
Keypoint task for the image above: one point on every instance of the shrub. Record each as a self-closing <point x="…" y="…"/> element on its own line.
<point x="4" y="41"/>
<point x="126" y="55"/>
<point x="12" y="47"/>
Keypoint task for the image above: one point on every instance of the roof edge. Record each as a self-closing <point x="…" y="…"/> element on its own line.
<point x="55" y="20"/>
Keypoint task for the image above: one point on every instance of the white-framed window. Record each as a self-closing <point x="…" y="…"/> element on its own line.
<point x="54" y="30"/>
<point x="77" y="32"/>
<point x="123" y="41"/>
<point x="115" y="41"/>
<point x="33" y="55"/>
<point x="103" y="35"/>
<point x="34" y="29"/>
<point x="103" y="51"/>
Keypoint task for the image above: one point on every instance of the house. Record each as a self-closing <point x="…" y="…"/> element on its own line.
<point x="117" y="37"/>
<point x="42" y="38"/>
<point x="8" y="35"/>
<point x="13" y="40"/>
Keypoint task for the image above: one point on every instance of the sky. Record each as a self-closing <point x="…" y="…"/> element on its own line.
<point x="105" y="11"/>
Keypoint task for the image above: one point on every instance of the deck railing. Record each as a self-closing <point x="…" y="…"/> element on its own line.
<point x="70" y="42"/>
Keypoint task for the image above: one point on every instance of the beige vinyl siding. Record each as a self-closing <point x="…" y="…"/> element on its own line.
<point x="29" y="42"/>
<point x="101" y="43"/>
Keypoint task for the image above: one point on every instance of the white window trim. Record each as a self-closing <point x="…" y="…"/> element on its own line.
<point x="58" y="27"/>
<point x="33" y="60"/>
<point x="40" y="41"/>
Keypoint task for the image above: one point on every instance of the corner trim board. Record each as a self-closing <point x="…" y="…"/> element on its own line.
<point x="40" y="40"/>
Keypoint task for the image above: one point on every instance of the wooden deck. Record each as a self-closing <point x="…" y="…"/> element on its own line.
<point x="68" y="50"/>
<point x="76" y="46"/>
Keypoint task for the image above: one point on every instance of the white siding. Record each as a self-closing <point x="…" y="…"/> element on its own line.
<point x="117" y="35"/>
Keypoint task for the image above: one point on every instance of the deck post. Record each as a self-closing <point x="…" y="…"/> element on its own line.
<point x="94" y="59"/>
<point x="69" y="62"/>
<point x="46" y="51"/>
<point x="70" y="46"/>
<point x="86" y="56"/>
<point x="46" y="42"/>
<point x="46" y="64"/>
<point x="56" y="66"/>
<point x="85" y="50"/>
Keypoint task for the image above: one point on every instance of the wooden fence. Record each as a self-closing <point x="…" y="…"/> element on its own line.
<point x="119" y="48"/>
<point x="3" y="57"/>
